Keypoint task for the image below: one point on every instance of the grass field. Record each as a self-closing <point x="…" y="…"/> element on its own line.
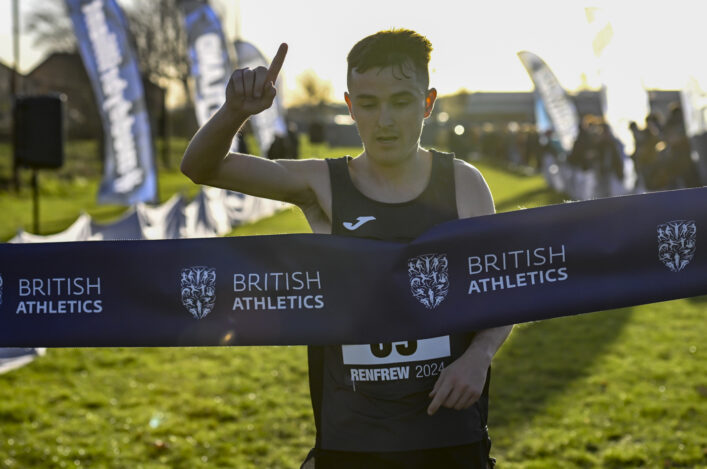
<point x="615" y="389"/>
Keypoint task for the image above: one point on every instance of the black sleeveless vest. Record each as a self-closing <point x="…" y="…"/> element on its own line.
<point x="374" y="397"/>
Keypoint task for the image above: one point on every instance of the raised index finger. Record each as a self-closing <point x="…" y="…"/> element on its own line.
<point x="276" y="64"/>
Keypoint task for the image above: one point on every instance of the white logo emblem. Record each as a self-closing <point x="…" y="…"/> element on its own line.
<point x="677" y="243"/>
<point x="359" y="221"/>
<point x="429" y="279"/>
<point x="198" y="286"/>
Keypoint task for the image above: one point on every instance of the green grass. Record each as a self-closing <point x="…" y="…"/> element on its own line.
<point x="66" y="192"/>
<point x="616" y="389"/>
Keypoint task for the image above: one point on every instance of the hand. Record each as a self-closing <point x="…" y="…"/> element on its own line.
<point x="252" y="91"/>
<point x="460" y="384"/>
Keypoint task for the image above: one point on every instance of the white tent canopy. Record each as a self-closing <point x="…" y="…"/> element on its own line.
<point x="213" y="212"/>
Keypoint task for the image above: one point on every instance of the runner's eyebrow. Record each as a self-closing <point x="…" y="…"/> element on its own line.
<point x="403" y="94"/>
<point x="399" y="94"/>
<point x="365" y="96"/>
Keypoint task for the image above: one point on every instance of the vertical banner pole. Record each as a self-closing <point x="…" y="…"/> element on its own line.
<point x="35" y="200"/>
<point x="14" y="85"/>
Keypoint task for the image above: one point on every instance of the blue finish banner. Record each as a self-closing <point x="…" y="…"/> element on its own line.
<point x="103" y="41"/>
<point x="459" y="276"/>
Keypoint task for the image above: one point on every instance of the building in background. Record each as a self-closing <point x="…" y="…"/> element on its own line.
<point x="495" y="109"/>
<point x="63" y="72"/>
<point x="5" y="102"/>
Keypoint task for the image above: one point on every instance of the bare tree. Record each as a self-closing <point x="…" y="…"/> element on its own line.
<point x="313" y="91"/>
<point x="51" y="28"/>
<point x="156" y="26"/>
<point x="161" y="41"/>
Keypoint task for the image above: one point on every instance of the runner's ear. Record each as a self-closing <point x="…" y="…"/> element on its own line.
<point x="430" y="101"/>
<point x="347" y="98"/>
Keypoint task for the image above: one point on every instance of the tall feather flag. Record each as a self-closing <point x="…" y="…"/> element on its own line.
<point x="560" y="108"/>
<point x="104" y="44"/>
<point x="209" y="58"/>
<point x="270" y="122"/>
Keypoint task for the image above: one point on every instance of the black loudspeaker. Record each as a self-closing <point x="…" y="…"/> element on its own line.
<point x="39" y="131"/>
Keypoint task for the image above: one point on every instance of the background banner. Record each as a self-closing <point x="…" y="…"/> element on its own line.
<point x="321" y="289"/>
<point x="562" y="111"/>
<point x="103" y="39"/>
<point x="270" y="122"/>
<point x="209" y="58"/>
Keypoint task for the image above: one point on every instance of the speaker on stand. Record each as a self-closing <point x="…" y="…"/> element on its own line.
<point x="39" y="137"/>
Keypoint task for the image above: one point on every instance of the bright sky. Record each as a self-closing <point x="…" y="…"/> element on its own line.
<point x="475" y="42"/>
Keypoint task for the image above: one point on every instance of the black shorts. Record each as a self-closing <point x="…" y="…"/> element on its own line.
<point x="471" y="456"/>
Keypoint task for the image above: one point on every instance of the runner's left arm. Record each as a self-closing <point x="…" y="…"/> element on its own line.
<point x="462" y="382"/>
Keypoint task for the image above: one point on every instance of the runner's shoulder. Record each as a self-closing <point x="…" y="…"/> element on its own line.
<point x="314" y="172"/>
<point x="307" y="168"/>
<point x="473" y="193"/>
<point x="468" y="175"/>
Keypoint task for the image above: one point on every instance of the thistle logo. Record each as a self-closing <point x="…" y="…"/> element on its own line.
<point x="0" y="289"/>
<point x="198" y="286"/>
<point x="429" y="279"/>
<point x="677" y="243"/>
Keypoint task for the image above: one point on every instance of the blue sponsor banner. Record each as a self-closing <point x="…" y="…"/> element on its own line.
<point x="560" y="108"/>
<point x="270" y="122"/>
<point x="102" y="36"/>
<point x="459" y="276"/>
<point x="209" y="59"/>
<point x="543" y="123"/>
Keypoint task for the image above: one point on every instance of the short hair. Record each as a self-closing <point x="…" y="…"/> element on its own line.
<point x="393" y="47"/>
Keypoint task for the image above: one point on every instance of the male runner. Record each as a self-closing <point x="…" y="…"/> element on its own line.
<point x="426" y="404"/>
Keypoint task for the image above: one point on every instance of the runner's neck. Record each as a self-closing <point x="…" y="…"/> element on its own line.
<point x="392" y="184"/>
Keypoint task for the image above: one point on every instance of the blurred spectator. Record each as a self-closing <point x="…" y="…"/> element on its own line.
<point x="474" y="140"/>
<point x="532" y="151"/>
<point x="584" y="151"/>
<point x="316" y="132"/>
<point x="490" y="141"/>
<point x="610" y="164"/>
<point x="242" y="145"/>
<point x="293" y="138"/>
<point x="650" y="156"/>
<point x="285" y="147"/>
<point x="511" y="146"/>
<point x="637" y="138"/>
<point x="682" y="171"/>
<point x="547" y="145"/>
<point x="458" y="141"/>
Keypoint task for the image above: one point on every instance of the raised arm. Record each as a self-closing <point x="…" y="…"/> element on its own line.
<point x="207" y="160"/>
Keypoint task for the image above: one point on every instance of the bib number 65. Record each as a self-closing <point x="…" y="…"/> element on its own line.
<point x="382" y="350"/>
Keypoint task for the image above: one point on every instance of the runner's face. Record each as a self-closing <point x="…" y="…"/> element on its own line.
<point x="389" y="109"/>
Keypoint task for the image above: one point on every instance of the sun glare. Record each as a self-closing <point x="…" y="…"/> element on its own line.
<point x="475" y="43"/>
